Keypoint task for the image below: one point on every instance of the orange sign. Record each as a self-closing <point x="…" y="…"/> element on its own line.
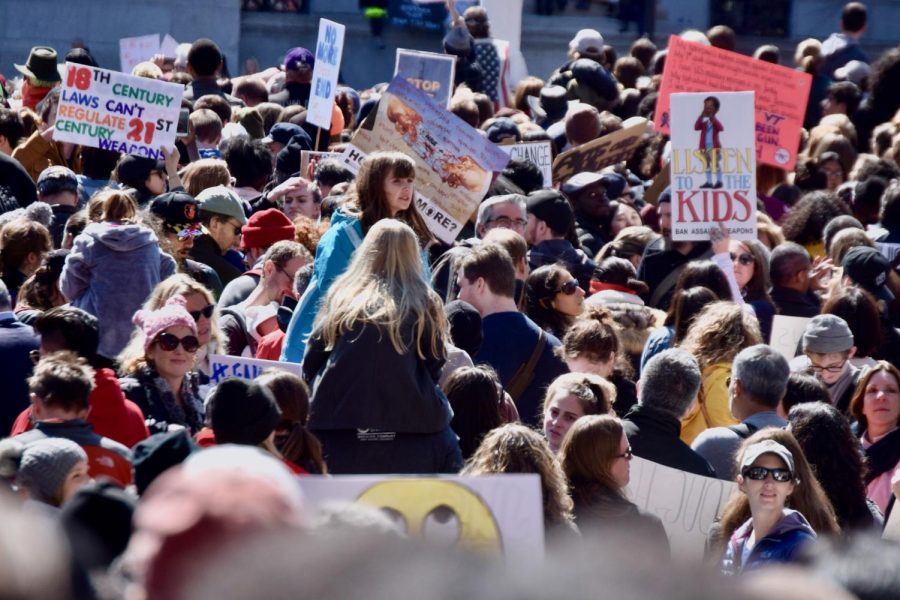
<point x="781" y="94"/>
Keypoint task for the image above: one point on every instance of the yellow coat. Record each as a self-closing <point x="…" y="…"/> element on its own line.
<point x="714" y="398"/>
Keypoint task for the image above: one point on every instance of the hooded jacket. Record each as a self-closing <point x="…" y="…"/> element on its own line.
<point x="778" y="546"/>
<point x="550" y="252"/>
<point x="110" y="272"/>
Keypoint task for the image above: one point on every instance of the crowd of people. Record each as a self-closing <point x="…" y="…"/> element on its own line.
<point x="563" y="334"/>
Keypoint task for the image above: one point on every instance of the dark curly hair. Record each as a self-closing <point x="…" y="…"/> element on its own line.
<point x="806" y="222"/>
<point x="820" y="428"/>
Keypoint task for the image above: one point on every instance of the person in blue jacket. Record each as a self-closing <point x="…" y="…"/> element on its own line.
<point x="384" y="189"/>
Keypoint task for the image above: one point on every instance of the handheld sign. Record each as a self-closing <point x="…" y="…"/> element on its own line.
<point x="430" y="72"/>
<point x="537" y="153"/>
<point x="787" y="333"/>
<point x="309" y="155"/>
<point x="602" y="152"/>
<point x="222" y="367"/>
<point x="329" y="48"/>
<point x="135" y="50"/>
<point x="781" y="94"/>
<point x="713" y="165"/>
<point x="114" y="111"/>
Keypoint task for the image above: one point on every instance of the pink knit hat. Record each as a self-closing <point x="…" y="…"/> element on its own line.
<point x="154" y="322"/>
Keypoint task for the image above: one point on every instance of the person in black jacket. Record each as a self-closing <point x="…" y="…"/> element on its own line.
<point x="374" y="359"/>
<point x="668" y="389"/>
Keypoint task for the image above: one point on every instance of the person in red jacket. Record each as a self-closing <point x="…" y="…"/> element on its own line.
<point x="111" y="414"/>
<point x="710" y="127"/>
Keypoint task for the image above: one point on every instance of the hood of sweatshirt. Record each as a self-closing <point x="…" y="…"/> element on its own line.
<point x="120" y="238"/>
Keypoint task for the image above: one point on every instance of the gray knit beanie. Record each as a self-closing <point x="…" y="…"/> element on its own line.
<point x="43" y="465"/>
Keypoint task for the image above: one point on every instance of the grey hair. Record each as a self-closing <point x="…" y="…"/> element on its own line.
<point x="785" y="261"/>
<point x="486" y="208"/>
<point x="5" y="298"/>
<point x="670" y="381"/>
<point x="763" y="373"/>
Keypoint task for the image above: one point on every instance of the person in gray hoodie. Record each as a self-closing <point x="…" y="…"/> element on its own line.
<point x="112" y="268"/>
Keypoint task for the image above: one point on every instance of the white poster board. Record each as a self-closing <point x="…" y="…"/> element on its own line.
<point x="329" y="48"/>
<point x="495" y="513"/>
<point x="222" y="367"/>
<point x="135" y="50"/>
<point x="786" y="334"/>
<point x="713" y="164"/>
<point x="537" y="153"/>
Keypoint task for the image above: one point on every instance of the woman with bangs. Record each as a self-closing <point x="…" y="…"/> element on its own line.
<point x="384" y="189"/>
<point x="374" y="359"/>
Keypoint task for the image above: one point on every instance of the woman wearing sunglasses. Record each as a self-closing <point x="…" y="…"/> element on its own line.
<point x="553" y="299"/>
<point x="596" y="458"/>
<point x="160" y="380"/>
<point x="778" y="507"/>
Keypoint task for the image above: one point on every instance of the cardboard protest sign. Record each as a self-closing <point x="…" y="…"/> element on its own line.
<point x="306" y="156"/>
<point x="455" y="164"/>
<point x="687" y="504"/>
<point x="781" y="94"/>
<point x="329" y="48"/>
<point x="222" y="367"/>
<point x="602" y="152"/>
<point x="537" y="153"/>
<point x="135" y="50"/>
<point x="495" y="513"/>
<point x="713" y="165"/>
<point x="786" y="334"/>
<point x="430" y="72"/>
<point x="118" y="112"/>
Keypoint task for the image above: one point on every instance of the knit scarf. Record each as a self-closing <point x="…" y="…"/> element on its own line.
<point x="189" y="412"/>
<point x="883" y="455"/>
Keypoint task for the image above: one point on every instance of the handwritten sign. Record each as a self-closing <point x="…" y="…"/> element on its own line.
<point x="781" y="94"/>
<point x="415" y="14"/>
<point x="222" y="367"/>
<point x="537" y="153"/>
<point x="787" y="333"/>
<point x="430" y="72"/>
<point x="135" y="50"/>
<point x="713" y="165"/>
<point x="306" y="156"/>
<point x="602" y="152"/>
<point x="687" y="504"/>
<point x="114" y="111"/>
<point x="456" y="164"/>
<point x="329" y="48"/>
<point x="499" y="514"/>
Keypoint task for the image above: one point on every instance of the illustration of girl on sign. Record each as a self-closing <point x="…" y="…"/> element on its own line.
<point x="709" y="127"/>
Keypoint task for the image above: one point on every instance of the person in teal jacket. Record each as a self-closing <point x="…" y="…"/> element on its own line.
<point x="384" y="189"/>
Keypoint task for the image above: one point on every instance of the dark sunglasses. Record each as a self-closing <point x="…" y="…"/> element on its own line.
<point x="745" y="258"/>
<point x="760" y="473"/>
<point x="206" y="311"/>
<point x="237" y="231"/>
<point x="568" y="288"/>
<point x="169" y="342"/>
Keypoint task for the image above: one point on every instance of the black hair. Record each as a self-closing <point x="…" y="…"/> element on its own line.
<point x="474" y="394"/>
<point x="79" y="330"/>
<point x="204" y="57"/>
<point x="97" y="163"/>
<point x="804" y="387"/>
<point x="541" y="287"/>
<point x="845" y="92"/>
<point x="524" y="174"/>
<point x="714" y="100"/>
<point x="806" y="222"/>
<point x="853" y="17"/>
<point x="331" y="172"/>
<point x="248" y="160"/>
<point x="707" y="274"/>
<point x="889" y="217"/>
<point x="11" y="126"/>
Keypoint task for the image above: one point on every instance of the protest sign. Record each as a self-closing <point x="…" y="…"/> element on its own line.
<point x="713" y="165"/>
<point x="892" y="527"/>
<point x="414" y="14"/>
<point x="891" y="252"/>
<point x="506" y="20"/>
<point x="687" y="504"/>
<point x="781" y="94"/>
<point x="537" y="153"/>
<point x="602" y="152"/>
<point x="168" y="47"/>
<point x="786" y="334"/>
<point x="306" y="156"/>
<point x="118" y="112"/>
<point x="493" y="513"/>
<point x="222" y="367"/>
<point x="134" y="50"/>
<point x="430" y="72"/>
<point x="329" y="48"/>
<point x="455" y="164"/>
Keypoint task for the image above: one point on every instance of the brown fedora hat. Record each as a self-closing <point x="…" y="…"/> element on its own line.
<point x="41" y="64"/>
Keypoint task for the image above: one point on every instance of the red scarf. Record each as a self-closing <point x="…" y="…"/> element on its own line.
<point x="599" y="286"/>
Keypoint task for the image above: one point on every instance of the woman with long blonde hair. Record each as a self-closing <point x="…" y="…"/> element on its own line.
<point x="374" y="359"/>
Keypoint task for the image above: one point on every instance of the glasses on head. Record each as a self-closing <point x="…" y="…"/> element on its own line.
<point x="568" y="288"/>
<point x="744" y="258"/>
<point x="827" y="368"/>
<point x="169" y="342"/>
<point x="760" y="473"/>
<point x="206" y="311"/>
<point x="507" y="222"/>
<point x="627" y="455"/>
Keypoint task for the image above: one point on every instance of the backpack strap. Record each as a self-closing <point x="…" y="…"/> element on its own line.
<point x="744" y="430"/>
<point x="523" y="376"/>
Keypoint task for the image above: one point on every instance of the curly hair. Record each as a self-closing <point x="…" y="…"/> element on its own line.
<point x="819" y="429"/>
<point x="720" y="331"/>
<point x="588" y="452"/>
<point x="808" y="497"/>
<point x="541" y="287"/>
<point x="806" y="222"/>
<point x="515" y="448"/>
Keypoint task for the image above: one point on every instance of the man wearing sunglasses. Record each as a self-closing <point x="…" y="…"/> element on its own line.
<point x="222" y="215"/>
<point x="827" y="350"/>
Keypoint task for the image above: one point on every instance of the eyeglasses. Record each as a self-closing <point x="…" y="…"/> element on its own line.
<point x="206" y="311"/>
<point x="237" y="231"/>
<point x="828" y="369"/>
<point x="744" y="258"/>
<point x="508" y="222"/>
<point x="169" y="342"/>
<point x="760" y="473"/>
<point x="568" y="288"/>
<point x="627" y="455"/>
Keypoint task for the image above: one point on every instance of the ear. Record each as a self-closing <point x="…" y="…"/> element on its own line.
<point x="740" y="483"/>
<point x="479" y="231"/>
<point x="83" y="414"/>
<point x="851" y="353"/>
<point x="268" y="269"/>
<point x="37" y="407"/>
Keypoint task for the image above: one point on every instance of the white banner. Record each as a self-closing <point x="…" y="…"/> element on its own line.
<point x="787" y="333"/>
<point x="329" y="48"/>
<point x="135" y="50"/>
<point x="222" y="367"/>
<point x="538" y="153"/>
